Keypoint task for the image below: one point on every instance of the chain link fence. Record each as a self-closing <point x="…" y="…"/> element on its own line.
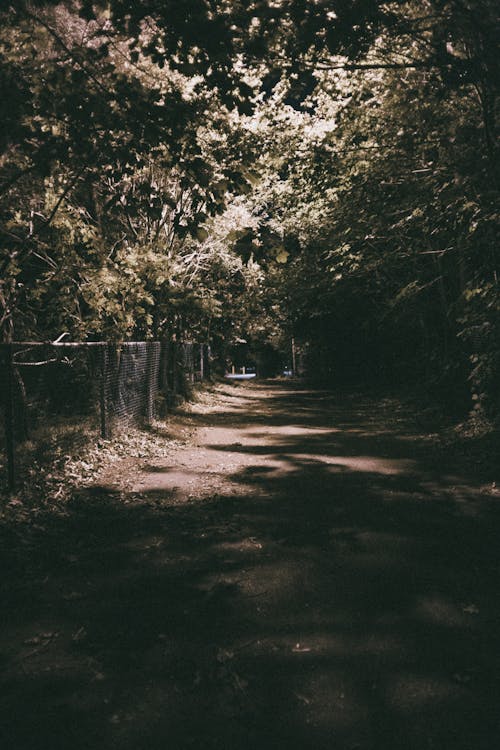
<point x="68" y="392"/>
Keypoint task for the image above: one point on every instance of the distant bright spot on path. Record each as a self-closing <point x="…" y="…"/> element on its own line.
<point x="240" y="376"/>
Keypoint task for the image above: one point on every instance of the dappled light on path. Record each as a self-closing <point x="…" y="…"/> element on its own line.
<point x="303" y="575"/>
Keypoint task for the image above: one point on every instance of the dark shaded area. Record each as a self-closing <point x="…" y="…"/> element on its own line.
<point x="347" y="600"/>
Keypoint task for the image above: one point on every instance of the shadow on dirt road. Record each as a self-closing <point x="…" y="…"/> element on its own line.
<point x="310" y="574"/>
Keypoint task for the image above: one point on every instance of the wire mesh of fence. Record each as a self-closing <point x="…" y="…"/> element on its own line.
<point x="130" y="382"/>
<point x="73" y="390"/>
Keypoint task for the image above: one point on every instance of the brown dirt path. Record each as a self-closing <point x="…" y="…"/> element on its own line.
<point x="307" y="571"/>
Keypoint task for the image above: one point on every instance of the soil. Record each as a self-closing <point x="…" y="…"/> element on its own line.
<point x="296" y="569"/>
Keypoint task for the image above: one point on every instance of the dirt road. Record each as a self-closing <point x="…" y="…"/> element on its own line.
<point x="304" y="572"/>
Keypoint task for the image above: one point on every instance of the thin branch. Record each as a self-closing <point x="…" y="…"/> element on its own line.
<point x="64" y="46"/>
<point x="46" y="259"/>
<point x="61" y="198"/>
<point x="415" y="65"/>
<point x="129" y="222"/>
<point x="28" y="242"/>
<point x="17" y="176"/>
<point x="115" y="245"/>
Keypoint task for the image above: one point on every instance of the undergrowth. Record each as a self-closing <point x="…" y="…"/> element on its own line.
<point x="61" y="459"/>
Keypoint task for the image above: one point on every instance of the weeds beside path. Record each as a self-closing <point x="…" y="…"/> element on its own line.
<point x="297" y="570"/>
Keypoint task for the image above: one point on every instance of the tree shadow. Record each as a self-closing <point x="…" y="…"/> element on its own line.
<point x="329" y="603"/>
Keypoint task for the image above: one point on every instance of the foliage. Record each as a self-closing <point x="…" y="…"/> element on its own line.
<point x="385" y="182"/>
<point x="327" y="171"/>
<point x="110" y="163"/>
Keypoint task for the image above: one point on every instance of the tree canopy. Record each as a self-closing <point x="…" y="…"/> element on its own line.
<point x="322" y="170"/>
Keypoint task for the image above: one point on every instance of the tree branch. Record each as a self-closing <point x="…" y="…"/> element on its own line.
<point x="415" y="65"/>
<point x="61" y="198"/>
<point x="36" y="19"/>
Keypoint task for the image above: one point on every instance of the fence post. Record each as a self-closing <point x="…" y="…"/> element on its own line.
<point x="150" y="377"/>
<point x="102" y="395"/>
<point x="9" y="416"/>
<point x="163" y="366"/>
<point x="175" y="368"/>
<point x="208" y="361"/>
<point x="191" y="363"/>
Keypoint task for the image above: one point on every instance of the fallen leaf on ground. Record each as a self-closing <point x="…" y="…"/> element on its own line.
<point x="470" y="609"/>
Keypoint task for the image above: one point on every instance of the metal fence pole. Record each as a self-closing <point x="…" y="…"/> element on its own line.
<point x="150" y="377"/>
<point x="9" y="416"/>
<point x="102" y="394"/>
<point x="208" y="361"/>
<point x="163" y="383"/>
<point x="175" y="368"/>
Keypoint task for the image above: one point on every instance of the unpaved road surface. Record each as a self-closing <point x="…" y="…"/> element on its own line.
<point x="305" y="572"/>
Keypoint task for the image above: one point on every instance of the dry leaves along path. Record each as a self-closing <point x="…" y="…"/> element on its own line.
<point x="305" y="572"/>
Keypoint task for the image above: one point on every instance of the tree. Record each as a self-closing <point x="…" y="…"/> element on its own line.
<point x="105" y="150"/>
<point x="385" y="178"/>
<point x="147" y="184"/>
